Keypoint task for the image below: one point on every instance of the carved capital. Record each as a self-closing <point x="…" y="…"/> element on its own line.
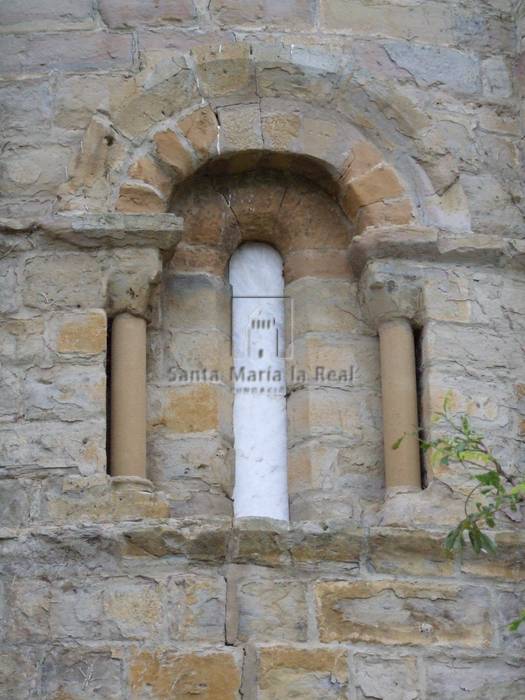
<point x="390" y="291"/>
<point x="132" y="276"/>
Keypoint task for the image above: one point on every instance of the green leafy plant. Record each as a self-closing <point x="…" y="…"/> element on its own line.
<point x="495" y="490"/>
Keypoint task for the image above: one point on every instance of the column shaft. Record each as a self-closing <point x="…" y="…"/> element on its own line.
<point x="399" y="390"/>
<point x="128" y="396"/>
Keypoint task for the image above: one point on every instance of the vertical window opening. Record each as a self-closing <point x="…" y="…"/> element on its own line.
<point x="259" y="406"/>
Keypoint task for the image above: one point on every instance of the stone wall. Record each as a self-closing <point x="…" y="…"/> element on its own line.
<point x="379" y="147"/>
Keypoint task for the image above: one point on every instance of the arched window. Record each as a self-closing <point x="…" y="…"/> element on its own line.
<point x="259" y="406"/>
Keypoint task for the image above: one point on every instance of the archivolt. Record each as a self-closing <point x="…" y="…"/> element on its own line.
<point x="234" y="108"/>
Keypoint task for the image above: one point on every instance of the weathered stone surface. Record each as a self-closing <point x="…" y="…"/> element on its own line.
<point x="387" y="678"/>
<point x="82" y="674"/>
<point x="272" y="610"/>
<point x="69" y="393"/>
<point x="507" y="563"/>
<point x="240" y="128"/>
<point x="225" y="74"/>
<point x="63" y="280"/>
<point x="29" y="15"/>
<point x="171" y="150"/>
<point x="417" y="615"/>
<point x="213" y="674"/>
<point x="80" y="333"/>
<point x="36" y="447"/>
<point x="140" y="199"/>
<point x="197" y="408"/>
<point x="147" y="170"/>
<point x="307" y="673"/>
<point x="407" y="552"/>
<point x="298" y="14"/>
<point x="201" y="129"/>
<point x="118" y="14"/>
<point x="68" y="51"/>
<point x="387" y="19"/>
<point x="497" y="679"/>
<point x="196" y="608"/>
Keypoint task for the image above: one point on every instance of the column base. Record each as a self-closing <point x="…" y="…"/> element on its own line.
<point x="131" y="483"/>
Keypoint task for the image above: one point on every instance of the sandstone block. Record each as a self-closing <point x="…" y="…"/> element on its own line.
<point x="114" y="609"/>
<point x="226" y="74"/>
<point x="194" y="408"/>
<point x="326" y="306"/>
<point x="406" y="22"/>
<point x="97" y="499"/>
<point x="458" y="72"/>
<point x="387" y="679"/>
<point x="83" y="333"/>
<point x="197" y="352"/>
<point x="28" y="618"/>
<point x="171" y="150"/>
<point x="136" y="198"/>
<point x="335" y="362"/>
<point x="20" y="672"/>
<point x="35" y="172"/>
<point x="261" y="541"/>
<point x="67" y="51"/>
<point x="121" y="14"/>
<point x="297" y="14"/>
<point x="326" y="411"/>
<point x="197" y="302"/>
<point x="67" y="393"/>
<point x="395" y="212"/>
<point x="150" y="172"/>
<point x="172" y="459"/>
<point x="417" y="615"/>
<point x="10" y="403"/>
<point x="37" y="447"/>
<point x="205" y="259"/>
<point x="338" y="543"/>
<point x="33" y="16"/>
<point x="26" y="105"/>
<point x="79" y="96"/>
<point x="81" y="673"/>
<point x="497" y="679"/>
<point x="507" y="562"/>
<point x="378" y="184"/>
<point x="363" y="158"/>
<point x="17" y="499"/>
<point x="316" y="263"/>
<point x="280" y="130"/>
<point x="196" y="608"/>
<point x="160" y="100"/>
<point x="168" y="674"/>
<point x="22" y="341"/>
<point x="496" y="79"/>
<point x="409" y="553"/>
<point x="298" y="73"/>
<point x="240" y="128"/>
<point x="63" y="280"/>
<point x="134" y="608"/>
<point x="272" y="610"/>
<point x="306" y="673"/>
<point x="200" y="128"/>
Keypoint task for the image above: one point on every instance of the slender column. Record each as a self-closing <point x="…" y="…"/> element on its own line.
<point x="399" y="391"/>
<point x="128" y="396"/>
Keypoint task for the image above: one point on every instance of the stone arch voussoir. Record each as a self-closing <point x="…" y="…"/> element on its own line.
<point x="239" y="106"/>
